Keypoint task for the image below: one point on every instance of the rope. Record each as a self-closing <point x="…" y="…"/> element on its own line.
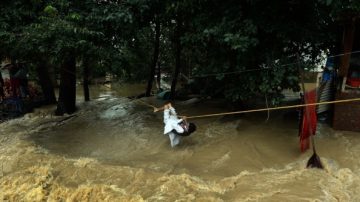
<point x="265" y="68"/>
<point x="226" y="73"/>
<point x="145" y="103"/>
<point x="275" y="108"/>
<point x="348" y="53"/>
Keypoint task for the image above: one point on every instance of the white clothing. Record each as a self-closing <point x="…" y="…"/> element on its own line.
<point x="174" y="139"/>
<point x="171" y="122"/>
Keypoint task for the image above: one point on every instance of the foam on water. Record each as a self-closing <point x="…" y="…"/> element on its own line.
<point x="113" y="150"/>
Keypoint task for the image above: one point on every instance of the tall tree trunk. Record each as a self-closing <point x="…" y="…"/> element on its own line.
<point x="158" y="75"/>
<point x="177" y="59"/>
<point x="86" y="79"/>
<point x="46" y="84"/>
<point x="348" y="40"/>
<point x="155" y="57"/>
<point x="67" y="94"/>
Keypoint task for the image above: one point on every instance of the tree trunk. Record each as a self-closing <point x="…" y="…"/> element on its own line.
<point x="67" y="94"/>
<point x="158" y="76"/>
<point x="177" y="59"/>
<point x="86" y="79"/>
<point x="348" y="39"/>
<point x="155" y="57"/>
<point x="46" y="84"/>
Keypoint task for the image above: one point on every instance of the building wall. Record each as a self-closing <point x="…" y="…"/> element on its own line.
<point x="347" y="115"/>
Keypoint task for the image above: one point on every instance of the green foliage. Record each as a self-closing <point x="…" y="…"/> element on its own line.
<point x="58" y="29"/>
<point x="216" y="38"/>
<point x="50" y="10"/>
<point x="238" y="37"/>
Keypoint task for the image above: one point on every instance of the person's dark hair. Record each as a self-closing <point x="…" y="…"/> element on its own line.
<point x="192" y="128"/>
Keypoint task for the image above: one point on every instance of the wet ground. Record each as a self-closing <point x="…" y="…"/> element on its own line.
<point x="113" y="149"/>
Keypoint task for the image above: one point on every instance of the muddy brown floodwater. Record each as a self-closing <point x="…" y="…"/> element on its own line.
<point x="113" y="149"/>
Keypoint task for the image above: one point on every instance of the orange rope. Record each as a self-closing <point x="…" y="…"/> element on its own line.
<point x="274" y="108"/>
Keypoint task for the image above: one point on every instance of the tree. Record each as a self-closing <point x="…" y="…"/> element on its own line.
<point x="23" y="40"/>
<point x="67" y="93"/>
<point x="86" y="69"/>
<point x="244" y="49"/>
<point x="258" y="41"/>
<point x="155" y="56"/>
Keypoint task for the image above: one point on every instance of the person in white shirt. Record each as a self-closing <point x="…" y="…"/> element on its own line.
<point x="175" y="127"/>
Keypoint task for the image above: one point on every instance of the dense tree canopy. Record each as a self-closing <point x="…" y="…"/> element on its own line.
<point x="255" y="40"/>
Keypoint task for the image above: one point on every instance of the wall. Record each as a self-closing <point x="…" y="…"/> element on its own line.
<point x="347" y="115"/>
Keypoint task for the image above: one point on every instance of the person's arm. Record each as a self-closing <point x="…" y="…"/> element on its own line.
<point x="156" y="109"/>
<point x="166" y="113"/>
<point x="166" y="106"/>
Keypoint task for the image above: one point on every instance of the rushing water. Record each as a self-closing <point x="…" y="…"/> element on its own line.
<point x="113" y="149"/>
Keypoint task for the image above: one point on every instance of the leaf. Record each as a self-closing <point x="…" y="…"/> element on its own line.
<point x="50" y="10"/>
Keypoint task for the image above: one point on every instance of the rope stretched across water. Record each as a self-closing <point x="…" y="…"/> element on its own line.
<point x="145" y="103"/>
<point x="263" y="109"/>
<point x="274" y="108"/>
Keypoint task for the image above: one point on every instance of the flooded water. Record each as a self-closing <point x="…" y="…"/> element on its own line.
<point x="113" y="149"/>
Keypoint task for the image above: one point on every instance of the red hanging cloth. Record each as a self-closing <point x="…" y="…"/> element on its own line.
<point x="308" y="121"/>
